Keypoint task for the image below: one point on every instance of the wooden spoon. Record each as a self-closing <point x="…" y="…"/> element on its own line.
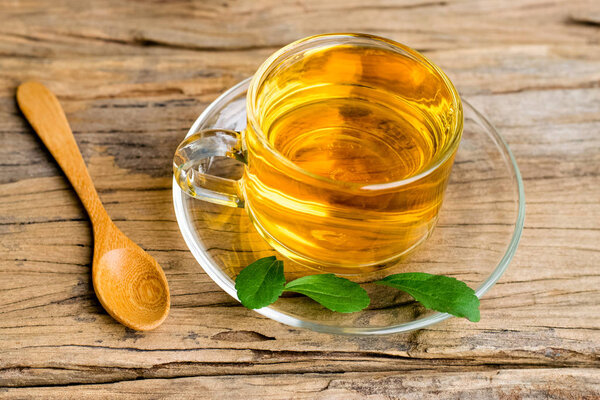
<point x="129" y="283"/>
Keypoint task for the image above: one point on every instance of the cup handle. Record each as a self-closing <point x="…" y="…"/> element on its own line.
<point x="193" y="158"/>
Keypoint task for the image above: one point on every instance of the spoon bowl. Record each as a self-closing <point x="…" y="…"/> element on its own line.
<point x="130" y="281"/>
<point x="130" y="284"/>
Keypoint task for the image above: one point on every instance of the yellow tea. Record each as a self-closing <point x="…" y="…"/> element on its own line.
<point x="365" y="118"/>
<point x="349" y="143"/>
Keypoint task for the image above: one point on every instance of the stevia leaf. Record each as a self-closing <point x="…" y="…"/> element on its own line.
<point x="335" y="293"/>
<point x="260" y="283"/>
<point x="437" y="292"/>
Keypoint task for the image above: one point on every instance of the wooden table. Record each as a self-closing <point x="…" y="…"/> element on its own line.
<point x="132" y="77"/>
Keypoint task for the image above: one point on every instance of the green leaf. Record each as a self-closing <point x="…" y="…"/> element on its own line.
<point x="437" y="292"/>
<point x="241" y="156"/>
<point x="335" y="293"/>
<point x="260" y="283"/>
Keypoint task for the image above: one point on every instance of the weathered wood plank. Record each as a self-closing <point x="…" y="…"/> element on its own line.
<point x="133" y="76"/>
<point x="113" y="27"/>
<point x="567" y="383"/>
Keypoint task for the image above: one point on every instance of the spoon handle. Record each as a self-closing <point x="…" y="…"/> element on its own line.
<point x="43" y="111"/>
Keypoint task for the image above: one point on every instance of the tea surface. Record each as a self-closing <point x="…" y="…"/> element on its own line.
<point x="362" y="116"/>
<point x="354" y="140"/>
<point x="357" y="114"/>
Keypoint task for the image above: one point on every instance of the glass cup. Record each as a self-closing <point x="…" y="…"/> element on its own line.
<point x="348" y="147"/>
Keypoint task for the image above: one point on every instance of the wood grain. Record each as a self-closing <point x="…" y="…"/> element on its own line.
<point x="133" y="76"/>
<point x="505" y="384"/>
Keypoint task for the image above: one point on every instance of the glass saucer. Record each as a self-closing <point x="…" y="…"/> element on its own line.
<point x="477" y="234"/>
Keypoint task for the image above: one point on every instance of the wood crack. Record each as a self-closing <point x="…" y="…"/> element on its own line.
<point x="140" y="40"/>
<point x="61" y="301"/>
<point x="389" y="7"/>
<point x="584" y="85"/>
<point x="149" y="373"/>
